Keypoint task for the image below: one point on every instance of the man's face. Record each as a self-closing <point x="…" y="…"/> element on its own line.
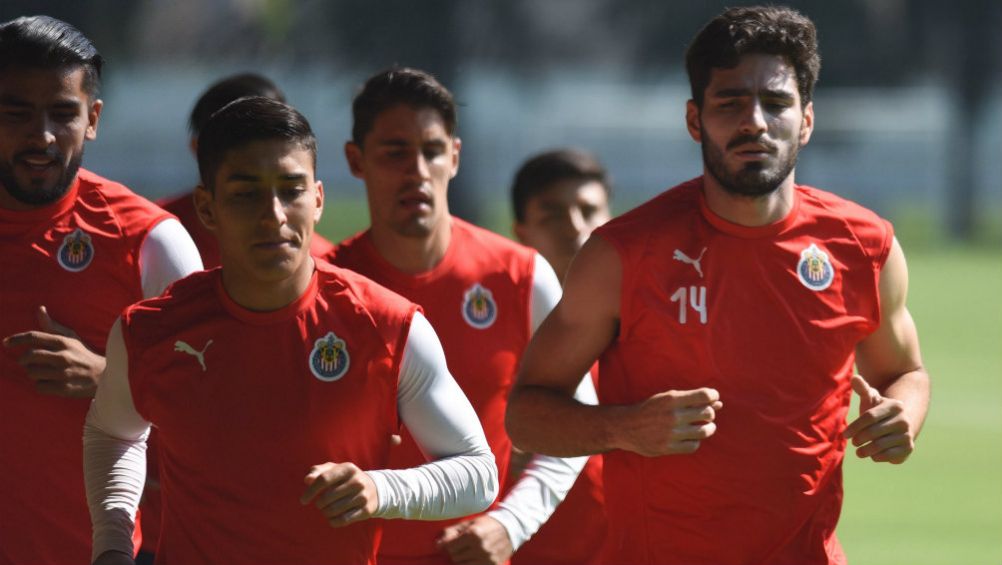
<point x="263" y="211"/>
<point x="559" y="219"/>
<point x="751" y="125"/>
<point x="406" y="160"/>
<point x="45" y="117"/>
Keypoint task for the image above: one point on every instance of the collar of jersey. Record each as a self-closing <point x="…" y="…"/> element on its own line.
<point x="286" y="312"/>
<point x="750" y="232"/>
<point x="408" y="280"/>
<point x="47" y="212"/>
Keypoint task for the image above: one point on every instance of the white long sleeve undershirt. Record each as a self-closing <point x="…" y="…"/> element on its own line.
<point x="546" y="479"/>
<point x="461" y="479"/>
<point x="166" y="255"/>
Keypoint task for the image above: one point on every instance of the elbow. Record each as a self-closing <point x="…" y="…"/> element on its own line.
<point x="491" y="484"/>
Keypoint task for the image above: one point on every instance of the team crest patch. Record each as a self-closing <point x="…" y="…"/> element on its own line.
<point x="815" y="269"/>
<point x="479" y="308"/>
<point x="76" y="252"/>
<point x="329" y="360"/>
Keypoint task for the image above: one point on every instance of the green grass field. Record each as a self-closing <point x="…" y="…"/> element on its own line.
<point x="944" y="505"/>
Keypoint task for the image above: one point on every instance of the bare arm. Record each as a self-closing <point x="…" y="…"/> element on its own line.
<point x="542" y="414"/>
<point x="895" y="401"/>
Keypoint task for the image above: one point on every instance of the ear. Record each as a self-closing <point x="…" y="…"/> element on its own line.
<point x="93" y="116"/>
<point x="320" y="203"/>
<point x="457" y="145"/>
<point x="692" y="122"/>
<point x="203" y="207"/>
<point x="193" y="145"/>
<point x="353" y="154"/>
<point x="807" y="124"/>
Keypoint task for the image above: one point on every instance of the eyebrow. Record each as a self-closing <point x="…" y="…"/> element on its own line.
<point x="250" y="177"/>
<point x="11" y="100"/>
<point x="743" y="92"/>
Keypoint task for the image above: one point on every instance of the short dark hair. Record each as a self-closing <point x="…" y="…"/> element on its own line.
<point x="226" y="90"/>
<point x="770" y="30"/>
<point x="47" y="43"/>
<point x="245" y="121"/>
<point x="400" y="85"/>
<point x="541" y="171"/>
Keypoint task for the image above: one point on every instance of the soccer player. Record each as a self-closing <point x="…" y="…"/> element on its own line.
<point x="559" y="198"/>
<point x="728" y="313"/>
<point x="221" y="93"/>
<point x="483" y="293"/>
<point x="75" y="249"/>
<point x="275" y="382"/>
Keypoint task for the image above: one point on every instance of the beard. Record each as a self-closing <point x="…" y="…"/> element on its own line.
<point x="37" y="194"/>
<point x="753" y="178"/>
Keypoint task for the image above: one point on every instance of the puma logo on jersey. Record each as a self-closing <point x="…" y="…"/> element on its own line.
<point x="679" y="256"/>
<point x="185" y="348"/>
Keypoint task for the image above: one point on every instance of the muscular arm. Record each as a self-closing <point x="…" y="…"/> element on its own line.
<point x="542" y="414"/>
<point x="895" y="402"/>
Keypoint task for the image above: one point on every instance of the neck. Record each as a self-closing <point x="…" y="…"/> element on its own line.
<point x="413" y="254"/>
<point x="750" y="211"/>
<point x="268" y="296"/>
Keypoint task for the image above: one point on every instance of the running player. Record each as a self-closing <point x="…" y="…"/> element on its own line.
<point x="743" y="288"/>
<point x="221" y="93"/>
<point x="75" y="249"/>
<point x="559" y="198"/>
<point x="483" y="294"/>
<point x="275" y="382"/>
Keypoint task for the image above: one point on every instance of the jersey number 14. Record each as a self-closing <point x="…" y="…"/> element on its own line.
<point x="690" y="297"/>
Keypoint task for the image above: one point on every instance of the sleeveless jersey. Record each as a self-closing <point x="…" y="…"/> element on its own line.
<point x="183" y="206"/>
<point x="576" y="531"/>
<point x="477" y="299"/>
<point x="770" y="317"/>
<point x="245" y="403"/>
<point x="79" y="257"/>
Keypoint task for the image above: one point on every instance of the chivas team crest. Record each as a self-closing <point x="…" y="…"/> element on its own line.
<point x="329" y="360"/>
<point x="479" y="308"/>
<point x="76" y="252"/>
<point x="815" y="269"/>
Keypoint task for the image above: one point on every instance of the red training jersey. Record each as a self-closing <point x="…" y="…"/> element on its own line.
<point x="183" y="206"/>
<point x="245" y="403"/>
<point x="770" y="317"/>
<point x="477" y="299"/>
<point x="79" y="257"/>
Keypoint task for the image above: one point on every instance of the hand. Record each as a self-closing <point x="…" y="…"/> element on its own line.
<point x="482" y="540"/>
<point x="671" y="423"/>
<point x="56" y="360"/>
<point x="344" y="493"/>
<point x="112" y="557"/>
<point x="881" y="432"/>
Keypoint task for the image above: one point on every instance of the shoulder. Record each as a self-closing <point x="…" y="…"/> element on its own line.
<point x="364" y="295"/>
<point x="344" y="253"/>
<point x="196" y="288"/>
<point x="872" y="232"/>
<point x="489" y="246"/>
<point x="133" y="213"/>
<point x="673" y="208"/>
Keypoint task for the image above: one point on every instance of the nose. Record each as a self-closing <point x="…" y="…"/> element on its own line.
<point x="753" y="122"/>
<point x="41" y="134"/>
<point x="274" y="212"/>
<point x="418" y="166"/>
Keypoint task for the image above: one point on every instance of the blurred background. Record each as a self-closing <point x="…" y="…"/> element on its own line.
<point x="908" y="122"/>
